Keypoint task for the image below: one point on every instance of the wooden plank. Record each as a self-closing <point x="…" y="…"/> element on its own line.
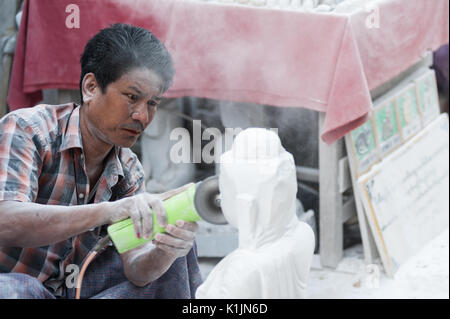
<point x="307" y="174"/>
<point x="66" y="96"/>
<point x="60" y="96"/>
<point x="331" y="230"/>
<point x="8" y="38"/>
<point x="50" y="96"/>
<point x="7" y="64"/>
<point x="349" y="209"/>
<point x="369" y="247"/>
<point x="345" y="180"/>
<point x="6" y="60"/>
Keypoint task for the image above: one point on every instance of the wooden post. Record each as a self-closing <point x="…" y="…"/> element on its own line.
<point x="331" y="237"/>
<point x="60" y="96"/>
<point x="6" y="60"/>
<point x="67" y="96"/>
<point x="6" y="74"/>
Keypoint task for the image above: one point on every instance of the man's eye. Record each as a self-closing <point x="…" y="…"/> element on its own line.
<point x="132" y="97"/>
<point x="152" y="103"/>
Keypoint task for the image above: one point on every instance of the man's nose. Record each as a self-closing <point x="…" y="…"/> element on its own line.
<point x="140" y="114"/>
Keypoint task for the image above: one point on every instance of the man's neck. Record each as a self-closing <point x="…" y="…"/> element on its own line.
<point x="95" y="150"/>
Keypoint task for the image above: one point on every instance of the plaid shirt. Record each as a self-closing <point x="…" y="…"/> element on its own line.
<point x="41" y="161"/>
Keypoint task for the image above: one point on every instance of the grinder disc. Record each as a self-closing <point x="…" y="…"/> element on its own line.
<point x="207" y="202"/>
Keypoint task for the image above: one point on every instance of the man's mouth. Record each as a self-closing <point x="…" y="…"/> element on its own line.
<point x="132" y="132"/>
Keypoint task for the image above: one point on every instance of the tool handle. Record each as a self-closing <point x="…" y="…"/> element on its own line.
<point x="179" y="206"/>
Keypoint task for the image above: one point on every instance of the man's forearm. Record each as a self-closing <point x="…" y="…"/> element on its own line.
<point x="150" y="261"/>
<point x="33" y="225"/>
<point x="146" y="265"/>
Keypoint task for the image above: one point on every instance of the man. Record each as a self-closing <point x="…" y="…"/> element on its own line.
<point x="66" y="173"/>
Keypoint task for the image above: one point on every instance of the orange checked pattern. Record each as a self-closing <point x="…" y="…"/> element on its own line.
<point x="41" y="161"/>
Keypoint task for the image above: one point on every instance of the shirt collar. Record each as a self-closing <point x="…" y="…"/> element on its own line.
<point x="72" y="133"/>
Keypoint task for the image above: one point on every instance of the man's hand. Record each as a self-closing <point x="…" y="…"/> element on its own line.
<point x="148" y="262"/>
<point x="139" y="209"/>
<point x="178" y="240"/>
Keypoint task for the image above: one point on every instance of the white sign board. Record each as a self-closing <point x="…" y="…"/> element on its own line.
<point x="406" y="196"/>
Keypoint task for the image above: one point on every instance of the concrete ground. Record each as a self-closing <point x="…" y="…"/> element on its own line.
<point x="423" y="276"/>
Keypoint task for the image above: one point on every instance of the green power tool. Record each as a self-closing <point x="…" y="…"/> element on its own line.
<point x="200" y="201"/>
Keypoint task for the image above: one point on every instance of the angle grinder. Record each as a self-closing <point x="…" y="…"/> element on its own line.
<point x="199" y="202"/>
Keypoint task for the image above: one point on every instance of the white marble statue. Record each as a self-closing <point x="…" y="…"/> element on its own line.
<point x="258" y="189"/>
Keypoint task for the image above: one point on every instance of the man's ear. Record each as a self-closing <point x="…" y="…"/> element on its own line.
<point x="89" y="87"/>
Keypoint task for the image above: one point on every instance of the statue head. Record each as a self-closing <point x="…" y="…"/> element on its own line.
<point x="258" y="186"/>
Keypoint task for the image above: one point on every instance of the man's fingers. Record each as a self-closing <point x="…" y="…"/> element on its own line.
<point x="158" y="209"/>
<point x="135" y="216"/>
<point x="175" y="191"/>
<point x="191" y="226"/>
<point x="178" y="232"/>
<point x="172" y="241"/>
<point x="147" y="219"/>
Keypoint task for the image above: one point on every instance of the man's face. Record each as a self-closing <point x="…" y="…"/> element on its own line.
<point x="127" y="107"/>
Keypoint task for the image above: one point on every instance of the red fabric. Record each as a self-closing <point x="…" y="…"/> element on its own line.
<point x="324" y="62"/>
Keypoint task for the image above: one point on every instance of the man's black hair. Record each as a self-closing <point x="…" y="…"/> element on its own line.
<point x="116" y="50"/>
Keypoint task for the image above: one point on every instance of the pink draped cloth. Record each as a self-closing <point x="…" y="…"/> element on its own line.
<point x="322" y="61"/>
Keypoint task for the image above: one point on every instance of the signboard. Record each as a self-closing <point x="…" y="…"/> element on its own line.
<point x="395" y="118"/>
<point x="406" y="197"/>
<point x="364" y="147"/>
<point x="428" y="96"/>
<point x="387" y="131"/>
<point x="408" y="112"/>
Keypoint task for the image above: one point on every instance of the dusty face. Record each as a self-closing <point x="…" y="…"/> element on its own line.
<point x="121" y="114"/>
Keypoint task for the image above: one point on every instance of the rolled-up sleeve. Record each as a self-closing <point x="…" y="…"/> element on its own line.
<point x="20" y="160"/>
